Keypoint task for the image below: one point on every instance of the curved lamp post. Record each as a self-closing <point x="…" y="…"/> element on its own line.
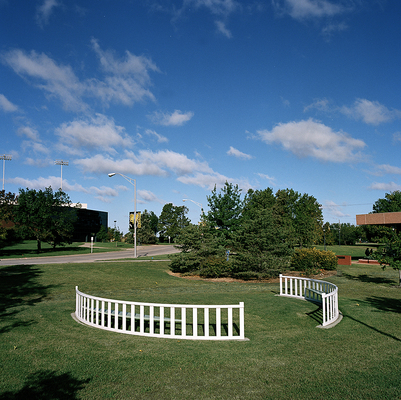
<point x="198" y="204"/>
<point x="132" y="182"/>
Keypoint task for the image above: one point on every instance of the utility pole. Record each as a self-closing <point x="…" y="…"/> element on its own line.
<point x="61" y="163"/>
<point x="5" y="157"/>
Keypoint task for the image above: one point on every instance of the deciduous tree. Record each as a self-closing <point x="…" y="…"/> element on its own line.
<point x="7" y="205"/>
<point x="147" y="232"/>
<point x="46" y="216"/>
<point x="390" y="203"/>
<point x="171" y="221"/>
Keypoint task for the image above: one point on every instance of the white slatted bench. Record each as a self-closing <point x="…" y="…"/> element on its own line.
<point x="317" y="291"/>
<point x="195" y="322"/>
<point x="314" y="295"/>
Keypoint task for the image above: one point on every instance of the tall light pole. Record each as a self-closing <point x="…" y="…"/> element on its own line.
<point x="61" y="162"/>
<point x="5" y="157"/>
<point x="132" y="182"/>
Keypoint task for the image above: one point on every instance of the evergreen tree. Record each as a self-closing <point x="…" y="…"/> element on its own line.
<point x="225" y="209"/>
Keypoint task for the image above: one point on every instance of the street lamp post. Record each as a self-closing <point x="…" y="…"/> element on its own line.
<point x="5" y="157"/>
<point x="198" y="204"/>
<point x="132" y="182"/>
<point x="61" y="163"/>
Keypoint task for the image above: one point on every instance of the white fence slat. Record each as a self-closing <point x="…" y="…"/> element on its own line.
<point x="218" y="321"/>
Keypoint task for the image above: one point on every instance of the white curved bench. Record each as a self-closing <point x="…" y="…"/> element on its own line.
<point x="317" y="291"/>
<point x="173" y="321"/>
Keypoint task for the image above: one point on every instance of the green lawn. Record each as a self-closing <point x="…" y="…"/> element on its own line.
<point x="355" y="252"/>
<point x="45" y="354"/>
<point x="28" y="248"/>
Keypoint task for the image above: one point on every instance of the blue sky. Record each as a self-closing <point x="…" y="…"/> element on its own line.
<point x="188" y="94"/>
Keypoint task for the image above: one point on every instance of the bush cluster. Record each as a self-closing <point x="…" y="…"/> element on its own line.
<point x="312" y="260"/>
<point x="215" y="267"/>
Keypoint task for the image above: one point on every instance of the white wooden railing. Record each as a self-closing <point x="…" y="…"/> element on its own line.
<point x="321" y="292"/>
<point x="174" y="321"/>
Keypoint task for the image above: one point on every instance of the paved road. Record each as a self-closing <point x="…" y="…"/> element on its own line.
<point x="84" y="258"/>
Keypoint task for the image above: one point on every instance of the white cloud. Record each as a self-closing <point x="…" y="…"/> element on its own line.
<point x="36" y="147"/>
<point x="55" y="181"/>
<point x="221" y="27"/>
<point x="314" y="139"/>
<point x="98" y="132"/>
<point x="45" y="10"/>
<point x="271" y="179"/>
<point x="385" y="187"/>
<point x="127" y="79"/>
<point x="319" y="104"/>
<point x="56" y="80"/>
<point x="29" y="132"/>
<point x="177" y="118"/>
<point x="397" y="136"/>
<point x="239" y="154"/>
<point x="388" y="169"/>
<point x="147" y="196"/>
<point x="159" y="138"/>
<point x="38" y="162"/>
<point x="103" y="191"/>
<point x="218" y="7"/>
<point x="130" y="166"/>
<point x="6" y="105"/>
<point x="178" y="163"/>
<point x="125" y="82"/>
<point x="370" y="112"/>
<point x="161" y="163"/>
<point x="305" y="9"/>
<point x="209" y="181"/>
<point x="329" y="29"/>
<point x="334" y="209"/>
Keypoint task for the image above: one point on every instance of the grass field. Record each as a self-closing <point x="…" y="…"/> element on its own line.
<point x="45" y="354"/>
<point x="28" y="248"/>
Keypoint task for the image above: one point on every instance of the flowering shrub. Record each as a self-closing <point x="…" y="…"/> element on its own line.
<point x="312" y="260"/>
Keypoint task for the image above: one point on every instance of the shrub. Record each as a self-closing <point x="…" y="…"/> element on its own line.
<point x="215" y="267"/>
<point x="246" y="275"/>
<point x="311" y="260"/>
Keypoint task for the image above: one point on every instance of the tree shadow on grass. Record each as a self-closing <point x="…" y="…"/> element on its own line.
<point x="368" y="279"/>
<point x="19" y="288"/>
<point x="385" y="304"/>
<point x="373" y="328"/>
<point x="43" y="252"/>
<point x="47" y="385"/>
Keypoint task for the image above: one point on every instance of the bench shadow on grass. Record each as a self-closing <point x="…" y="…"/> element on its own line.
<point x="316" y="315"/>
<point x="47" y="385"/>
<point x="19" y="288"/>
